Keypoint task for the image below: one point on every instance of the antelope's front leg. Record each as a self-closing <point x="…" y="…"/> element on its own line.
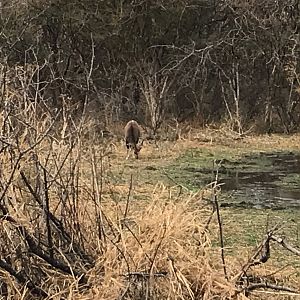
<point x="128" y="153"/>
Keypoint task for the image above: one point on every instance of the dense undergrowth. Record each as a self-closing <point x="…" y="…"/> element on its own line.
<point x="78" y="222"/>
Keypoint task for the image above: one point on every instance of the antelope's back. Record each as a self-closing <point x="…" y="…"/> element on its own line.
<point x="132" y="132"/>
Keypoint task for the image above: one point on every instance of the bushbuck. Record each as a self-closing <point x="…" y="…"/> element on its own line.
<point x="132" y="136"/>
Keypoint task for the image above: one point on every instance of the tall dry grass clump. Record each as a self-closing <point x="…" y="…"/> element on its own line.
<point x="161" y="252"/>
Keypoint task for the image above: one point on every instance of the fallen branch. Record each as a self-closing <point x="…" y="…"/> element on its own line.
<point x="286" y="245"/>
<point x="266" y="285"/>
<point x="35" y="290"/>
<point x="37" y="250"/>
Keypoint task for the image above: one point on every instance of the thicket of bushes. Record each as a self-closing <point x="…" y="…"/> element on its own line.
<point x="231" y="60"/>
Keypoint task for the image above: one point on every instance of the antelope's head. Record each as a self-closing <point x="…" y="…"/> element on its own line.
<point x="138" y="149"/>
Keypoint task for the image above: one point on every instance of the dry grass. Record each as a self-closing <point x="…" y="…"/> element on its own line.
<point x="115" y="213"/>
<point x="160" y="236"/>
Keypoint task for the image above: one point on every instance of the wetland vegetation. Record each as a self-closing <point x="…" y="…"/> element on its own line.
<point x="91" y="222"/>
<point x="211" y="208"/>
<point x="258" y="188"/>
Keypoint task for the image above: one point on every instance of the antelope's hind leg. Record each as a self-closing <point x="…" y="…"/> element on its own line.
<point x="128" y="151"/>
<point x="128" y="154"/>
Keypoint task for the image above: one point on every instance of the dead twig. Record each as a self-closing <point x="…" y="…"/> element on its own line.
<point x="266" y="285"/>
<point x="263" y="249"/>
<point x="128" y="198"/>
<point x="217" y="209"/>
<point x="88" y="260"/>
<point x="158" y="246"/>
<point x="175" y="182"/>
<point x="143" y="275"/>
<point x="209" y="219"/>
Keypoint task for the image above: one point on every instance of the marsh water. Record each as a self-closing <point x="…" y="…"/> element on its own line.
<point x="260" y="180"/>
<point x="275" y="185"/>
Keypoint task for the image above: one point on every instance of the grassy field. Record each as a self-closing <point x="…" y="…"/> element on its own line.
<point x="92" y="225"/>
<point x="160" y="176"/>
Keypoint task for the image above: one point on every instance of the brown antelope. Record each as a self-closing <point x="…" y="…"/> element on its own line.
<point x="132" y="136"/>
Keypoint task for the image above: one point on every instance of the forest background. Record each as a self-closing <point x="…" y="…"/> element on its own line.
<point x="210" y="61"/>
